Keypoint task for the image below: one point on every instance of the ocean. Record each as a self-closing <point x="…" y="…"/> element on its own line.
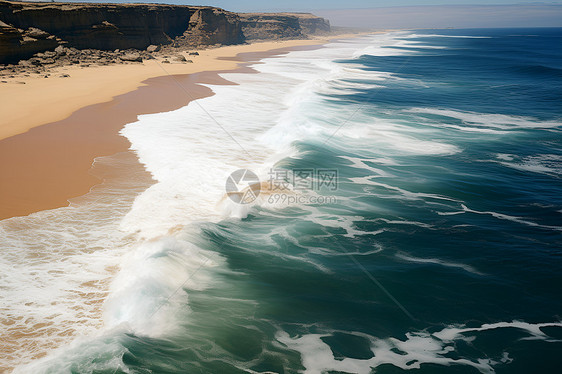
<point x="387" y="203"/>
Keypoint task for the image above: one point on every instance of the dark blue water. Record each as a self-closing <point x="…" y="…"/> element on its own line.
<point x="443" y="250"/>
<point x="465" y="230"/>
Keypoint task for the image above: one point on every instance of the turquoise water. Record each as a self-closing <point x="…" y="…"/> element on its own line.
<point x="441" y="252"/>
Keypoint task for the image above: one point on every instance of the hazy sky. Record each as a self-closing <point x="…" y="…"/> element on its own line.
<point x="443" y="16"/>
<point x="303" y="5"/>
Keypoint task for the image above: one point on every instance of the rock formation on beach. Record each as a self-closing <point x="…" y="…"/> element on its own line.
<point x="28" y="28"/>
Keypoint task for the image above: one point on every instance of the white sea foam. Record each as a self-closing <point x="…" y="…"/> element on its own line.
<point x="392" y="137"/>
<point x="549" y="164"/>
<point x="533" y="329"/>
<point x="400" y="192"/>
<point x="405" y="222"/>
<point x="180" y="149"/>
<point x="82" y="355"/>
<point x="472" y="129"/>
<point x="393" y="44"/>
<point x="486" y="120"/>
<point x="360" y="163"/>
<point x="438" y="261"/>
<point x="153" y="282"/>
<point x="417" y="349"/>
<point x="446" y="36"/>
<point x="330" y="252"/>
<point x="501" y="216"/>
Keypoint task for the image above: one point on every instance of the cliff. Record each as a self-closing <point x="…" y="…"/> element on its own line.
<point x="282" y="25"/>
<point x="30" y="28"/>
<point x="109" y="26"/>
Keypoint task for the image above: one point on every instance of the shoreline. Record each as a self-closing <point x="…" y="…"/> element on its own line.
<point x="56" y="98"/>
<point x="44" y="164"/>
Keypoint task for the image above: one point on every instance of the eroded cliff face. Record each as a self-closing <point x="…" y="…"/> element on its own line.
<point x="282" y="25"/>
<point x="214" y="26"/>
<point x="313" y="25"/>
<point x="110" y="26"/>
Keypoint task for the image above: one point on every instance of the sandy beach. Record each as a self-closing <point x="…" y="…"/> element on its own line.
<point x="52" y="129"/>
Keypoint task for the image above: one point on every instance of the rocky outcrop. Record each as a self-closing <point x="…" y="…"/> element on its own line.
<point x="110" y="26"/>
<point x="282" y="25"/>
<point x="17" y="42"/>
